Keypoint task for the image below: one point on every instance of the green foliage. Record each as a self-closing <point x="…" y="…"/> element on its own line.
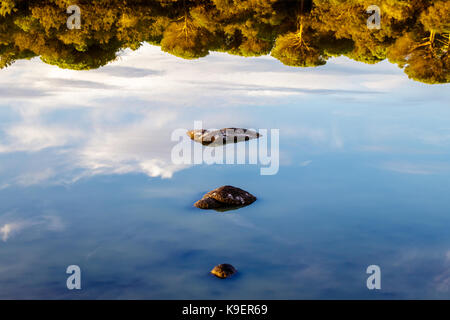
<point x="6" y="7"/>
<point x="291" y="50"/>
<point x="415" y="34"/>
<point x="437" y="17"/>
<point x="187" y="40"/>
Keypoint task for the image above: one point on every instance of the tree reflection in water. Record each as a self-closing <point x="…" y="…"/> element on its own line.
<point x="414" y="34"/>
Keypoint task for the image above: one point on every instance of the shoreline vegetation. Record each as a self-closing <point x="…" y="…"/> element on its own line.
<point x="414" y="34"/>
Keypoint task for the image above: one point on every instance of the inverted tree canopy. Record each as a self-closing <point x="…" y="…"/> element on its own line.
<point x="414" y="34"/>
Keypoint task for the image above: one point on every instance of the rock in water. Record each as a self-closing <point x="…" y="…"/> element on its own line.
<point x="225" y="197"/>
<point x="215" y="138"/>
<point x="208" y="203"/>
<point x="223" y="270"/>
<point x="231" y="196"/>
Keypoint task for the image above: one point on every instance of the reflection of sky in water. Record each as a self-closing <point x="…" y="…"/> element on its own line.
<point x="86" y="178"/>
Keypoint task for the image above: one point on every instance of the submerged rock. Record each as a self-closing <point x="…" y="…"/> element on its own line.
<point x="223" y="271"/>
<point x="214" y="138"/>
<point x="225" y="197"/>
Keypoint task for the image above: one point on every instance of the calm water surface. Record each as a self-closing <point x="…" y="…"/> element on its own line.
<point x="86" y="178"/>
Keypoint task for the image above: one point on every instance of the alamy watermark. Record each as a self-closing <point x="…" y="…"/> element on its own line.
<point x="74" y="20"/>
<point x="226" y="146"/>
<point x="374" y="280"/>
<point x="74" y="280"/>
<point x="374" y="21"/>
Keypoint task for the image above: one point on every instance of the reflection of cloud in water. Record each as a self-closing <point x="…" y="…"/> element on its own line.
<point x="128" y="72"/>
<point x="20" y="92"/>
<point x="305" y="163"/>
<point x="140" y="147"/>
<point x="118" y="119"/>
<point x="8" y="228"/>
<point x="34" y="137"/>
<point x="46" y="222"/>
<point x="416" y="168"/>
<point x="442" y="280"/>
<point x="71" y="83"/>
<point x="240" y="221"/>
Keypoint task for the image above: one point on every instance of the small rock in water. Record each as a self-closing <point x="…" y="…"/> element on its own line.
<point x="223" y="136"/>
<point x="224" y="197"/>
<point x="208" y="203"/>
<point x="223" y="271"/>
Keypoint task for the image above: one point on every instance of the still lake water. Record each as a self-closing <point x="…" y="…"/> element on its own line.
<point x="86" y="178"/>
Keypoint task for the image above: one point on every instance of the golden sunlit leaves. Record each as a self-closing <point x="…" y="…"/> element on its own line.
<point x="414" y="34"/>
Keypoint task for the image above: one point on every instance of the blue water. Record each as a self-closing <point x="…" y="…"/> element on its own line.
<point x="86" y="179"/>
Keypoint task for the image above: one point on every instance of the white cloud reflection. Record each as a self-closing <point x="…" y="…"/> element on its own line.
<point x="118" y="119"/>
<point x="8" y="228"/>
<point x="15" y="226"/>
<point x="416" y="168"/>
